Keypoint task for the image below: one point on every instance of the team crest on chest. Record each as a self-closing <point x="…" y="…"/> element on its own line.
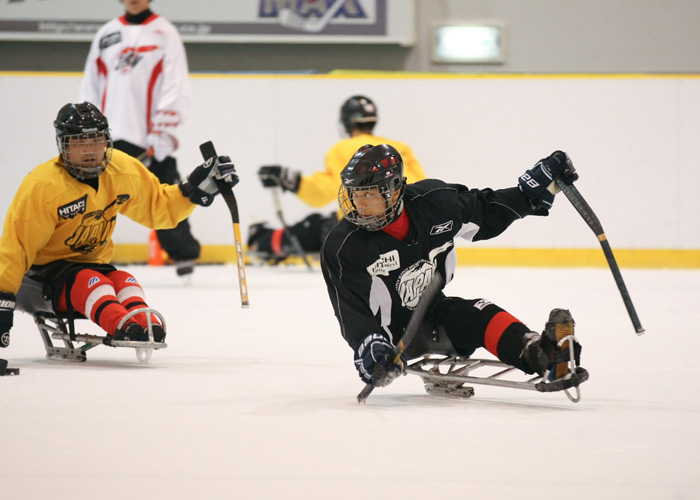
<point x="70" y="210"/>
<point x="412" y="281"/>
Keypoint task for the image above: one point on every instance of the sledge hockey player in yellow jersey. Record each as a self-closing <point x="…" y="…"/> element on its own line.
<point x="358" y="116"/>
<point x="57" y="235"/>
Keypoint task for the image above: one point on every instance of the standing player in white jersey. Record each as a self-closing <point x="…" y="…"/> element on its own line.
<point x="137" y="74"/>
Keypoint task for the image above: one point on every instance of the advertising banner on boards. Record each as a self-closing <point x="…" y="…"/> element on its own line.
<point x="239" y="21"/>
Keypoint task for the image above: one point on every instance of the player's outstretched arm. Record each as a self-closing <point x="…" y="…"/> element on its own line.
<point x="201" y="185"/>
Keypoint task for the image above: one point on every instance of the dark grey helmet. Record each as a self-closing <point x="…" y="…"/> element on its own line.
<point x="356" y="110"/>
<point x="83" y="139"/>
<point x="374" y="172"/>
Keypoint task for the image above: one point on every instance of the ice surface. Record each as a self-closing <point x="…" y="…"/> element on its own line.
<point x="260" y="403"/>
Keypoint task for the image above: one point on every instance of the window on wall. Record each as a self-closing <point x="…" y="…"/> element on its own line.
<point x="468" y="43"/>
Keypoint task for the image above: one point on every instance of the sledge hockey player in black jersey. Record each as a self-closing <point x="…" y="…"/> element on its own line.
<point x="395" y="236"/>
<point x="57" y="236"/>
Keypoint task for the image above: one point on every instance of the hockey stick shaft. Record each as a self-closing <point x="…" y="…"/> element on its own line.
<point x="412" y="330"/>
<point x="208" y="151"/>
<point x="292" y="237"/>
<point x="585" y="210"/>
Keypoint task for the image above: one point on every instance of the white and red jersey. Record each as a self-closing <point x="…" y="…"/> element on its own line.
<point x="137" y="75"/>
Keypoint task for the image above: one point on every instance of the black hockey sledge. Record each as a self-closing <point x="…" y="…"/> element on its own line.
<point x="446" y="376"/>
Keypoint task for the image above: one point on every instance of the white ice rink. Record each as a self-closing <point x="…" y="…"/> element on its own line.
<point x="259" y="403"/>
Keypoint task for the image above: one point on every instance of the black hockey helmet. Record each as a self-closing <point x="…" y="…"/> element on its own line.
<point x="357" y="109"/>
<point x="83" y="139"/>
<point x="373" y="173"/>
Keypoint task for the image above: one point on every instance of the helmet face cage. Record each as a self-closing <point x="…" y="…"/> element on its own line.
<point x="372" y="187"/>
<point x="83" y="139"/>
<point x="85" y="155"/>
<point x="382" y="194"/>
<point x="357" y="109"/>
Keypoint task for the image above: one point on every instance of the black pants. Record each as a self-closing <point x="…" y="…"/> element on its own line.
<point x="178" y="242"/>
<point x="460" y="326"/>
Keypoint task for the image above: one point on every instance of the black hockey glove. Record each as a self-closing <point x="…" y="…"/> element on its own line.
<point x="7" y="309"/>
<point x="274" y="175"/>
<point x="376" y="354"/>
<point x="201" y="185"/>
<point x="535" y="181"/>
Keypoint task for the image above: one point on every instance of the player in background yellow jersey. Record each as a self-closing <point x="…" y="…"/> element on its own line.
<point x="358" y="116"/>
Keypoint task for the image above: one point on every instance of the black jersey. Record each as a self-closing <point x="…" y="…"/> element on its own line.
<point x="374" y="280"/>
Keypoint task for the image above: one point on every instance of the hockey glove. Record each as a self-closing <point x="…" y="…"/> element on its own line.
<point x="534" y="182"/>
<point x="274" y="175"/>
<point x="376" y="354"/>
<point x="201" y="185"/>
<point x="162" y="144"/>
<point x="7" y="309"/>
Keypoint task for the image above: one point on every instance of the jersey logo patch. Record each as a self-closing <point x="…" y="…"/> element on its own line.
<point x="92" y="281"/>
<point x="110" y="39"/>
<point x="480" y="304"/>
<point x="387" y="262"/>
<point x="441" y="228"/>
<point x="70" y="210"/>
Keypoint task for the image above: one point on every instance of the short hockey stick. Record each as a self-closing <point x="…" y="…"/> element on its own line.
<point x="585" y="210"/>
<point x="412" y="330"/>
<point x="294" y="20"/>
<point x="208" y="151"/>
<point x="292" y="237"/>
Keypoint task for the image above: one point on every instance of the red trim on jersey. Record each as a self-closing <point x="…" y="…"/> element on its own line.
<point x="399" y="228"/>
<point x="157" y="71"/>
<point x="495" y="329"/>
<point x="102" y="70"/>
<point x="150" y="19"/>
<point x="123" y="20"/>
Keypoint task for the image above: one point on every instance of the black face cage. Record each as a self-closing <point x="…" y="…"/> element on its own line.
<point x="384" y="192"/>
<point x="81" y="154"/>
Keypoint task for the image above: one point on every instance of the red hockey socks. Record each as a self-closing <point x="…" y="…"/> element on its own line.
<point x="130" y="294"/>
<point x="93" y="296"/>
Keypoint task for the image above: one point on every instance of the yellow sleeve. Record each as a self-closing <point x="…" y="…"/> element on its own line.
<point x="28" y="225"/>
<point x="321" y="188"/>
<point x="154" y="205"/>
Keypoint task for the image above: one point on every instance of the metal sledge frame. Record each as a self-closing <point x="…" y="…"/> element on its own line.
<point x="446" y="375"/>
<point x="52" y="326"/>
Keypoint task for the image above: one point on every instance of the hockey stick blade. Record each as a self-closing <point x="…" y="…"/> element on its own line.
<point x="412" y="329"/>
<point x="208" y="151"/>
<point x="585" y="210"/>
